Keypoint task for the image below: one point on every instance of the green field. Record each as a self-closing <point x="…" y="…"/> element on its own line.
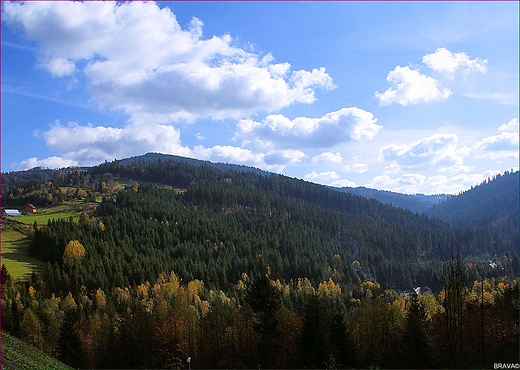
<point x="42" y="217"/>
<point x="15" y="255"/>
<point x="17" y="354"/>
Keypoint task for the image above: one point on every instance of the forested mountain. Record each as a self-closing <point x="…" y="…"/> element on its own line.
<point x="432" y="199"/>
<point x="492" y="205"/>
<point x="492" y="200"/>
<point x="155" y="157"/>
<point x="228" y="222"/>
<point x="16" y="177"/>
<point x="417" y="203"/>
<point x="237" y="269"/>
<point x="45" y="174"/>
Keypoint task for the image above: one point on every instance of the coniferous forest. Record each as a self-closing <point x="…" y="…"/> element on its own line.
<point x="240" y="269"/>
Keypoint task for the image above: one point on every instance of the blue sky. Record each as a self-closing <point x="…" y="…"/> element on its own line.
<point x="414" y="97"/>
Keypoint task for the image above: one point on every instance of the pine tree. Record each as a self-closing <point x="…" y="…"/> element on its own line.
<point x="70" y="349"/>
<point x="265" y="299"/>
<point x="417" y="351"/>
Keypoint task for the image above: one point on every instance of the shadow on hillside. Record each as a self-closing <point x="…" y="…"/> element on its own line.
<point x="17" y="253"/>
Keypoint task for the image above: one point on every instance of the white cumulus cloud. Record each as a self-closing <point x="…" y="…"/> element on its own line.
<point x="356" y="168"/>
<point x="328" y="175"/>
<point x="59" y="67"/>
<point x="137" y="58"/>
<point x="411" y="87"/>
<point x="439" y="150"/>
<point x="511" y="126"/>
<point x="499" y="146"/>
<point x="344" y="183"/>
<point x="446" y="62"/>
<point x="275" y="160"/>
<point x="278" y="131"/>
<point x="436" y="184"/>
<point x="90" y="145"/>
<point x="50" y="162"/>
<point x="327" y="157"/>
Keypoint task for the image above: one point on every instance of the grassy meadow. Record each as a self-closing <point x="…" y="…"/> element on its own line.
<point x="15" y="255"/>
<point x="15" y="244"/>
<point x="41" y="217"/>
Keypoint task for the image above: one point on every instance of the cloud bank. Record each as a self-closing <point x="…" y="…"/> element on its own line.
<point x="91" y="145"/>
<point x="136" y="57"/>
<point x="440" y="150"/>
<point x="499" y="146"/>
<point x="435" y="184"/>
<point x="410" y="87"/>
<point x="278" y="131"/>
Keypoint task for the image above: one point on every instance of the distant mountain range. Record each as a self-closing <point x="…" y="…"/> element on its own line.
<point x="499" y="194"/>
<point x="417" y="203"/>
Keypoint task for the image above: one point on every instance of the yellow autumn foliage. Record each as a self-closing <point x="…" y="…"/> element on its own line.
<point x="69" y="303"/>
<point x="100" y="299"/>
<point x="329" y="288"/>
<point x="73" y="251"/>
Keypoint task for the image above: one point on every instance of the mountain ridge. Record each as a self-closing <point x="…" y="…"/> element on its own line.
<point x="416" y="203"/>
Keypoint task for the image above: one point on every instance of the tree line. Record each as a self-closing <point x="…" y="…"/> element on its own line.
<point x="160" y="324"/>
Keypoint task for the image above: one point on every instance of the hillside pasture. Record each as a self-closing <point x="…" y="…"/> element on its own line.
<point x="41" y="217"/>
<point x="15" y="244"/>
<point x="15" y="255"/>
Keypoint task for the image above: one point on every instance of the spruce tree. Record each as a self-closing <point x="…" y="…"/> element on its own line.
<point x="264" y="298"/>
<point x="415" y="341"/>
<point x="70" y="349"/>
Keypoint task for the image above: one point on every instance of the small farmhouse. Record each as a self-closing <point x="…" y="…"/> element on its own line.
<point x="29" y="208"/>
<point x="11" y="212"/>
<point x="422" y="290"/>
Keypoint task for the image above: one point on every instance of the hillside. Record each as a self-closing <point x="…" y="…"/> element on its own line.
<point x="215" y="231"/>
<point x="154" y="157"/>
<point x="493" y="200"/>
<point x="169" y="260"/>
<point x="37" y="173"/>
<point x="17" y="354"/>
<point x="45" y="174"/>
<point x="417" y="203"/>
<point x="221" y="220"/>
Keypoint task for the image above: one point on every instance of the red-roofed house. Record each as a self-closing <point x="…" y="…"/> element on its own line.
<point x="29" y="208"/>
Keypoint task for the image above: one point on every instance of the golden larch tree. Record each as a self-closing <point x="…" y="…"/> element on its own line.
<point x="73" y="251"/>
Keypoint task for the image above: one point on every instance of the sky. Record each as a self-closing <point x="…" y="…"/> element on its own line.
<point x="411" y="97"/>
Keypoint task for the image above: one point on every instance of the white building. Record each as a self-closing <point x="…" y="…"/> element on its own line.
<point x="11" y="212"/>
